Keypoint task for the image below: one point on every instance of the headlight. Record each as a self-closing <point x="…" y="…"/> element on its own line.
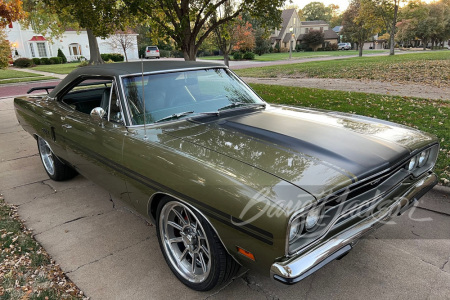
<point x="412" y="163"/>
<point x="423" y="158"/>
<point x="313" y="217"/>
<point x="294" y="229"/>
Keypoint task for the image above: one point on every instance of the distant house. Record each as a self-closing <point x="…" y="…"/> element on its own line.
<point x="292" y="30"/>
<point x="27" y="43"/>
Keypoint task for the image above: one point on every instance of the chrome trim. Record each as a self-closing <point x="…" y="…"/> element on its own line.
<point x="292" y="270"/>
<point x="153" y="220"/>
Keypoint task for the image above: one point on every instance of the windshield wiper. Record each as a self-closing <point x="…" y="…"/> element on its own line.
<point x="175" y="116"/>
<point x="236" y="104"/>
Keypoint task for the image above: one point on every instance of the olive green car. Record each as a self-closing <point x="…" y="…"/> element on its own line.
<point x="227" y="178"/>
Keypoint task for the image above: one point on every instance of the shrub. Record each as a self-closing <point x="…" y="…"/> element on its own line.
<point x="45" y="61"/>
<point x="108" y="62"/>
<point x="284" y="50"/>
<point x="62" y="56"/>
<point x="164" y="53"/>
<point x="249" y="55"/>
<point x="237" y="55"/>
<point x="84" y="63"/>
<point x="36" y="61"/>
<point x="23" y="62"/>
<point x="55" y="60"/>
<point x="112" y="56"/>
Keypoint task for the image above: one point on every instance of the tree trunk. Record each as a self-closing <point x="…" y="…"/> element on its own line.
<point x="425" y="42"/>
<point x="189" y="51"/>
<point x="95" y="59"/>
<point x="360" y="48"/>
<point x="125" y="53"/>
<point x="392" y="37"/>
<point x="226" y="59"/>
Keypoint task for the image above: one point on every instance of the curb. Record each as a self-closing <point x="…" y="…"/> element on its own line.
<point x="442" y="189"/>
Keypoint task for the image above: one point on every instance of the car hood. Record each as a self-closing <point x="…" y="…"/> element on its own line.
<point x="318" y="151"/>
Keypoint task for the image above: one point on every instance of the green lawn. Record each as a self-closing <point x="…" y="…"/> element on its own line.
<point x="58" y="69"/>
<point x="299" y="55"/>
<point x="426" y="68"/>
<point x="17" y="80"/>
<point x="432" y="116"/>
<point x="9" y="74"/>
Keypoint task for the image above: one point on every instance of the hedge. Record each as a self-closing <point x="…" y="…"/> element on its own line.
<point x="23" y="62"/>
<point x="116" y="57"/>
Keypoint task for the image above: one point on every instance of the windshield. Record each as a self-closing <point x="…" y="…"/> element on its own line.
<point x="185" y="93"/>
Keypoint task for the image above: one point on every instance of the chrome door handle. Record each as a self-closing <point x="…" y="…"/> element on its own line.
<point x="67" y="126"/>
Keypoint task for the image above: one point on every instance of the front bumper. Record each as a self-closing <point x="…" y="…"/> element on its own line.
<point x="299" y="267"/>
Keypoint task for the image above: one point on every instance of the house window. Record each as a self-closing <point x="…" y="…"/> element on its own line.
<point x="321" y="29"/>
<point x="306" y="30"/>
<point x="32" y="50"/>
<point x="41" y="49"/>
<point x="294" y="20"/>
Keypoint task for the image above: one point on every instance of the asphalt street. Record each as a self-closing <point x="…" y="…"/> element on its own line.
<point x="112" y="253"/>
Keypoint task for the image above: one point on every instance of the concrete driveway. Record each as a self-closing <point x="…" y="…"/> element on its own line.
<point x="112" y="253"/>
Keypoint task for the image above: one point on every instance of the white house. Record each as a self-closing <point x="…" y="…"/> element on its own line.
<point x="26" y="43"/>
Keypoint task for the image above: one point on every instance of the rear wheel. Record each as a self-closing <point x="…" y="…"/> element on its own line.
<point x="191" y="248"/>
<point x="55" y="169"/>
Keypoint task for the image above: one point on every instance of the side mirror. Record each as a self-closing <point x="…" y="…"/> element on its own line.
<point x="97" y="114"/>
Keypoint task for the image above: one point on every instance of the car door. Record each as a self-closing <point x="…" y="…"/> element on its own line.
<point x="94" y="145"/>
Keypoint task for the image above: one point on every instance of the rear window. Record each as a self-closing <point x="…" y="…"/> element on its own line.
<point x="152" y="48"/>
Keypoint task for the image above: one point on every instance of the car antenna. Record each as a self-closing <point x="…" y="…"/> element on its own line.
<point x="143" y="96"/>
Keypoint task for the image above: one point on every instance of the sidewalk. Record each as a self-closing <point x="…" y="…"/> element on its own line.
<point x="111" y="253"/>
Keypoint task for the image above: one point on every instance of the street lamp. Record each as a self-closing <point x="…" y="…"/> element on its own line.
<point x="290" y="43"/>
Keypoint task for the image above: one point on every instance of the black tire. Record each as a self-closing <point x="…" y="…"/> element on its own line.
<point x="54" y="167"/>
<point x="222" y="267"/>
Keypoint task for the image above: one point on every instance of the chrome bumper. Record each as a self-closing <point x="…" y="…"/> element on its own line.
<point x="299" y="267"/>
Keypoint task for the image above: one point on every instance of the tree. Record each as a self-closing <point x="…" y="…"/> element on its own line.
<point x="5" y="50"/>
<point x="387" y="11"/>
<point x="123" y="39"/>
<point x="314" y="38"/>
<point x="316" y="11"/>
<point x="243" y="36"/>
<point x="262" y="43"/>
<point x="11" y="11"/>
<point x="101" y="18"/>
<point x="357" y="25"/>
<point x="190" y="22"/>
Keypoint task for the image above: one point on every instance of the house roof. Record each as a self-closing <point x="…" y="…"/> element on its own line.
<point x="37" y="38"/>
<point x="329" y="34"/>
<point x="337" y="28"/>
<point x="318" y="22"/>
<point x="286" y="16"/>
<point x="287" y="37"/>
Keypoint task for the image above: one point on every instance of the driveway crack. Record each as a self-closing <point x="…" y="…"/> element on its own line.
<point x="258" y="288"/>
<point x="108" y="255"/>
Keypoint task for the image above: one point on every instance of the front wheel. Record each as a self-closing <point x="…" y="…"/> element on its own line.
<point x="55" y="169"/>
<point x="191" y="248"/>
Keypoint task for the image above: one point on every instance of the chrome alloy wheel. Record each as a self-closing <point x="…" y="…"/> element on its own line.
<point x="185" y="242"/>
<point x="47" y="156"/>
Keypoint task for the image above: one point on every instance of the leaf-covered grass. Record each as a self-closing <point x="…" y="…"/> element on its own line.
<point x="432" y="116"/>
<point x="9" y="74"/>
<point x="299" y="55"/>
<point x="17" y="80"/>
<point x="431" y="68"/>
<point x="26" y="270"/>
<point x="58" y="69"/>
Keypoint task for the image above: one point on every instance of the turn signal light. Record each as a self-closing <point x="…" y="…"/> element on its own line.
<point x="246" y="253"/>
